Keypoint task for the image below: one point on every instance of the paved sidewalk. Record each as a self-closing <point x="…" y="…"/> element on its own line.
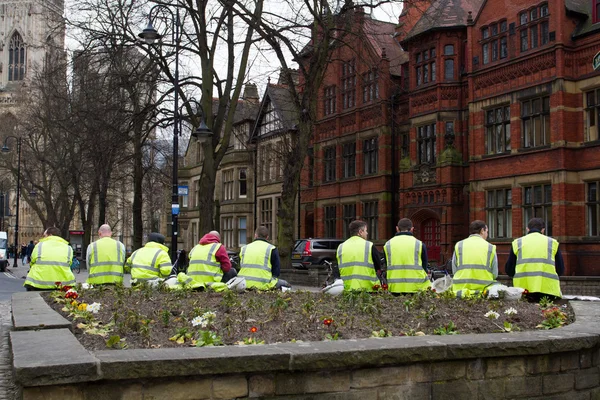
<point x="8" y="389"/>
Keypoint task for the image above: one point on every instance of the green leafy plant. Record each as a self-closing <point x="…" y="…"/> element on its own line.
<point x="545" y="302"/>
<point x="279" y="305"/>
<point x="330" y="337"/>
<point x="448" y="329"/>
<point x="165" y="316"/>
<point x="408" y="304"/>
<point x="208" y="338"/>
<point x="115" y="342"/>
<point x="230" y="299"/>
<point x="381" y="333"/>
<point x="250" y="341"/>
<point x="181" y="336"/>
<point x="508" y="327"/>
<point x="145" y="327"/>
<point x="553" y="318"/>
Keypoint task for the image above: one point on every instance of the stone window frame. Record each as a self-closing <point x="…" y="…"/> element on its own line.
<point x="534" y="207"/>
<point x="348" y="160"/>
<point x="228" y="184"/>
<point x="348" y="84"/>
<point x="329" y="164"/>
<point x="592" y="114"/>
<point x="592" y="208"/>
<point x="17" y="58"/>
<point x="371" y="155"/>
<point x="494" y="41"/>
<point x="595" y="11"/>
<point x="348" y="215"/>
<point x="242" y="183"/>
<point x="425" y="66"/>
<point x="529" y="115"/>
<point x="370" y="80"/>
<point x="330" y="221"/>
<point x="371" y="217"/>
<point x="426" y="143"/>
<point x="227" y="231"/>
<point x="534" y="28"/>
<point x="329" y="100"/>
<point x="498" y="210"/>
<point x="266" y="214"/>
<point x="491" y="129"/>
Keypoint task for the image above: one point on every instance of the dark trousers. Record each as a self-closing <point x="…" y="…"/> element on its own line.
<point x="229" y="275"/>
<point x="30" y="288"/>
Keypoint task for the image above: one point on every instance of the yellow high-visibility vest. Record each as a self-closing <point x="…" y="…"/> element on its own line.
<point x="203" y="266"/>
<point x="405" y="273"/>
<point x="535" y="268"/>
<point x="474" y="258"/>
<point x="255" y="263"/>
<point x="51" y="263"/>
<point x="105" y="260"/>
<point x="355" y="262"/>
<point x="150" y="262"/>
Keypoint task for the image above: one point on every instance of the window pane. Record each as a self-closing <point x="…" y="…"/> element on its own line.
<point x="548" y="194"/>
<point x="449" y="50"/>
<point x="592" y="192"/>
<point x="449" y="69"/>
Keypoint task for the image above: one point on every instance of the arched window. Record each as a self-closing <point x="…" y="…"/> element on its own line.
<point x="16" y="58"/>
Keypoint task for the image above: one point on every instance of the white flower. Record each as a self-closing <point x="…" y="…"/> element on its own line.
<point x="86" y="286"/>
<point x="71" y="291"/>
<point x="93" y="308"/>
<point x="510" y="311"/>
<point x="492" y="315"/>
<point x="198" y="321"/>
<point x="210" y="315"/>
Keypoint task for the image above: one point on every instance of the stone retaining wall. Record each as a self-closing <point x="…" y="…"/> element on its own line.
<point x="560" y="364"/>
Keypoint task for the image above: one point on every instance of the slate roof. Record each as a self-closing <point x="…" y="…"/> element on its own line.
<point x="445" y="14"/>
<point x="583" y="10"/>
<point x="380" y="35"/>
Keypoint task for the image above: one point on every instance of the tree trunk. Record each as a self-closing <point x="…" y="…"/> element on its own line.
<point x="138" y="175"/>
<point x="206" y="193"/>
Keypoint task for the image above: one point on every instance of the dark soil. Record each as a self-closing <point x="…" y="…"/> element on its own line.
<point x="147" y="318"/>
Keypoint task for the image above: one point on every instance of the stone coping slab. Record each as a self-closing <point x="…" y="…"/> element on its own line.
<point x="55" y="356"/>
<point x="51" y="356"/>
<point x="30" y="311"/>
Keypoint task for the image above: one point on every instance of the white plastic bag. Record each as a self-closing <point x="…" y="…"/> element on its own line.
<point x="442" y="284"/>
<point x="510" y="293"/>
<point x="335" y="289"/>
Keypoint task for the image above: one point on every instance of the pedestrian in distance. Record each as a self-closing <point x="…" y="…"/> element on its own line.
<point x="358" y="260"/>
<point x="151" y="261"/>
<point x="30" y="247"/>
<point x="209" y="261"/>
<point x="50" y="263"/>
<point x="259" y="263"/>
<point x="105" y="258"/>
<point x="535" y="262"/>
<point x="474" y="262"/>
<point x="406" y="259"/>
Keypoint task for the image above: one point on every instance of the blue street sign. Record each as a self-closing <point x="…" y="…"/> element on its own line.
<point x="182" y="190"/>
<point x="175" y="209"/>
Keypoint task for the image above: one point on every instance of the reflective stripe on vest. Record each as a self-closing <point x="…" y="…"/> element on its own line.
<point x="255" y="262"/>
<point x="536" y="267"/>
<point x="203" y="266"/>
<point x="356" y="264"/>
<point x="474" y="269"/>
<point x="405" y="273"/>
<point x="138" y="270"/>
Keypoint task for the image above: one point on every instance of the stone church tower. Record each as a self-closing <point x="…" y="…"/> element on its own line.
<point x="29" y="30"/>
<point x="31" y="34"/>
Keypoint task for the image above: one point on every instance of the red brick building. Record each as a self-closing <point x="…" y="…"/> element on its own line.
<point x="493" y="116"/>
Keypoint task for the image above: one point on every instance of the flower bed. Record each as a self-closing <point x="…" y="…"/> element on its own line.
<point x="119" y="317"/>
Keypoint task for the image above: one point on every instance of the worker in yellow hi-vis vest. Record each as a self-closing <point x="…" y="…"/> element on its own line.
<point x="535" y="262"/>
<point x="50" y="263"/>
<point x="105" y="258"/>
<point x="474" y="263"/>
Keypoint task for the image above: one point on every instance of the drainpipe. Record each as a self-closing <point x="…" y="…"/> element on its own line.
<point x="394" y="166"/>
<point x="255" y="185"/>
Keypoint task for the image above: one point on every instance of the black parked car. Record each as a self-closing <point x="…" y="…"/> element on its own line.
<point x="310" y="252"/>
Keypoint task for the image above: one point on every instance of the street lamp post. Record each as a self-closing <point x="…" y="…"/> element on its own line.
<point x="150" y="35"/>
<point x="5" y="149"/>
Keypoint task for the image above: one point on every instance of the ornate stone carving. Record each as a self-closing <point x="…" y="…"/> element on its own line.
<point x="425" y="175"/>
